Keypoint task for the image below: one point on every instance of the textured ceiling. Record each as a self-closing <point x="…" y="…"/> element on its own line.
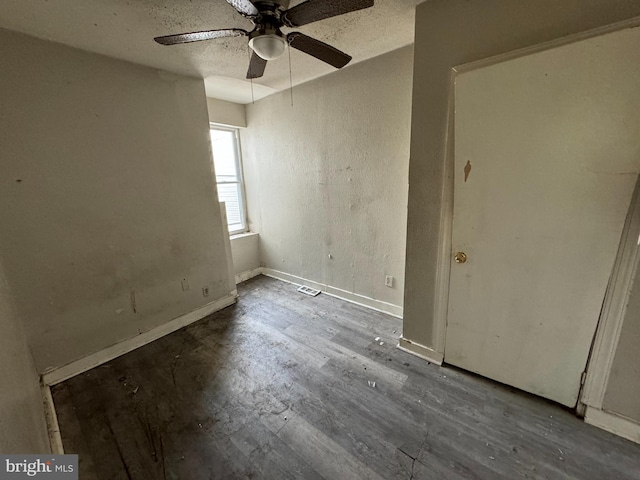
<point x="125" y="29"/>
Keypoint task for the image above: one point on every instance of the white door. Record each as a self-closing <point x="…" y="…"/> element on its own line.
<point x="551" y="146"/>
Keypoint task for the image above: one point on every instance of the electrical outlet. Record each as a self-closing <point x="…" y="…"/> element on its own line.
<point x="205" y="291"/>
<point x="388" y="281"/>
<point x="185" y="285"/>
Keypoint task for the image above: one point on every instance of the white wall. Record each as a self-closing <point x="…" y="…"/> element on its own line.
<point x="327" y="178"/>
<point x="450" y="33"/>
<point x="22" y="421"/>
<point x="106" y="193"/>
<point x="245" y="252"/>
<point x="226" y="113"/>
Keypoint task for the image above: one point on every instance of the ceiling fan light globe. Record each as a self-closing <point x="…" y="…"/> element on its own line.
<point x="268" y="47"/>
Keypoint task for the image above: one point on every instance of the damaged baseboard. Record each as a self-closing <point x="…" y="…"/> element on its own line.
<point x="421" y="351"/>
<point x="244" y="276"/>
<point x="60" y="374"/>
<point x="53" y="429"/>
<point x="613" y="423"/>
<point x="373" y="304"/>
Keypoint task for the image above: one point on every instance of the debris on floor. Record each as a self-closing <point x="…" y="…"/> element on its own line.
<point x="235" y="381"/>
<point x="377" y="339"/>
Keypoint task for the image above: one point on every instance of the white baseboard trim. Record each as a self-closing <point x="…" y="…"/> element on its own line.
<point x="244" y="276"/>
<point x="421" y="351"/>
<point x="613" y="423"/>
<point x="53" y="429"/>
<point x="373" y="304"/>
<point x="60" y="374"/>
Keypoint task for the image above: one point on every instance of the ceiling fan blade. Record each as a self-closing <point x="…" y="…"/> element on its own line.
<point x="257" y="65"/>
<point x="314" y="10"/>
<point x="199" y="36"/>
<point x="318" y="49"/>
<point x="244" y="7"/>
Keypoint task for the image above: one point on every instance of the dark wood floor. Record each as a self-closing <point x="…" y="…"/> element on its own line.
<point x="278" y="386"/>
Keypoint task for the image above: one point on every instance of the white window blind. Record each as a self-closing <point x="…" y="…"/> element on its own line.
<point x="227" y="164"/>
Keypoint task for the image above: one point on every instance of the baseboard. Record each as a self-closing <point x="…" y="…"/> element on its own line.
<point x="60" y="374"/>
<point x="373" y="304"/>
<point x="421" y="351"/>
<point x="613" y="423"/>
<point x="244" y="276"/>
<point x="53" y="429"/>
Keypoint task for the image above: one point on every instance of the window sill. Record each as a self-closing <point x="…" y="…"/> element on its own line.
<point x="242" y="235"/>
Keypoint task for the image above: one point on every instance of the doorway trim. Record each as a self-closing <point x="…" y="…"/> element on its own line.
<point x="613" y="310"/>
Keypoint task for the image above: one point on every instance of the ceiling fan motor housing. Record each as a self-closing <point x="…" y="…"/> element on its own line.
<point x="266" y="39"/>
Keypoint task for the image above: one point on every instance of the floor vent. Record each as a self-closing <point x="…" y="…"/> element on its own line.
<point x="308" y="290"/>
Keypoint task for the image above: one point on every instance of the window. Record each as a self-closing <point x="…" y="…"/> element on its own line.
<point x="228" y="167"/>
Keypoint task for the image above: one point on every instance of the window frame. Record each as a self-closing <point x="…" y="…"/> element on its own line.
<point x="239" y="175"/>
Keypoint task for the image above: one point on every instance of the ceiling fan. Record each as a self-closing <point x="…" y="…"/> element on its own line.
<point x="267" y="41"/>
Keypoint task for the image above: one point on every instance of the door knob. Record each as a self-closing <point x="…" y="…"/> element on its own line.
<point x="460" y="257"/>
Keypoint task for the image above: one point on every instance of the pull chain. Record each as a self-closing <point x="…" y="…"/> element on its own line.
<point x="290" y="76"/>
<point x="253" y="100"/>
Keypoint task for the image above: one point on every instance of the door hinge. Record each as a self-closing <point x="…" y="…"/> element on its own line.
<point x="583" y="378"/>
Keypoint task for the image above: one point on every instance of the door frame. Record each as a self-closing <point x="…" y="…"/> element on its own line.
<point x="613" y="311"/>
<point x="601" y="358"/>
<point x="605" y="342"/>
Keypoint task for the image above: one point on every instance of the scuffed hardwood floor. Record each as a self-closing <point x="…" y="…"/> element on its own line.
<point x="277" y="387"/>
